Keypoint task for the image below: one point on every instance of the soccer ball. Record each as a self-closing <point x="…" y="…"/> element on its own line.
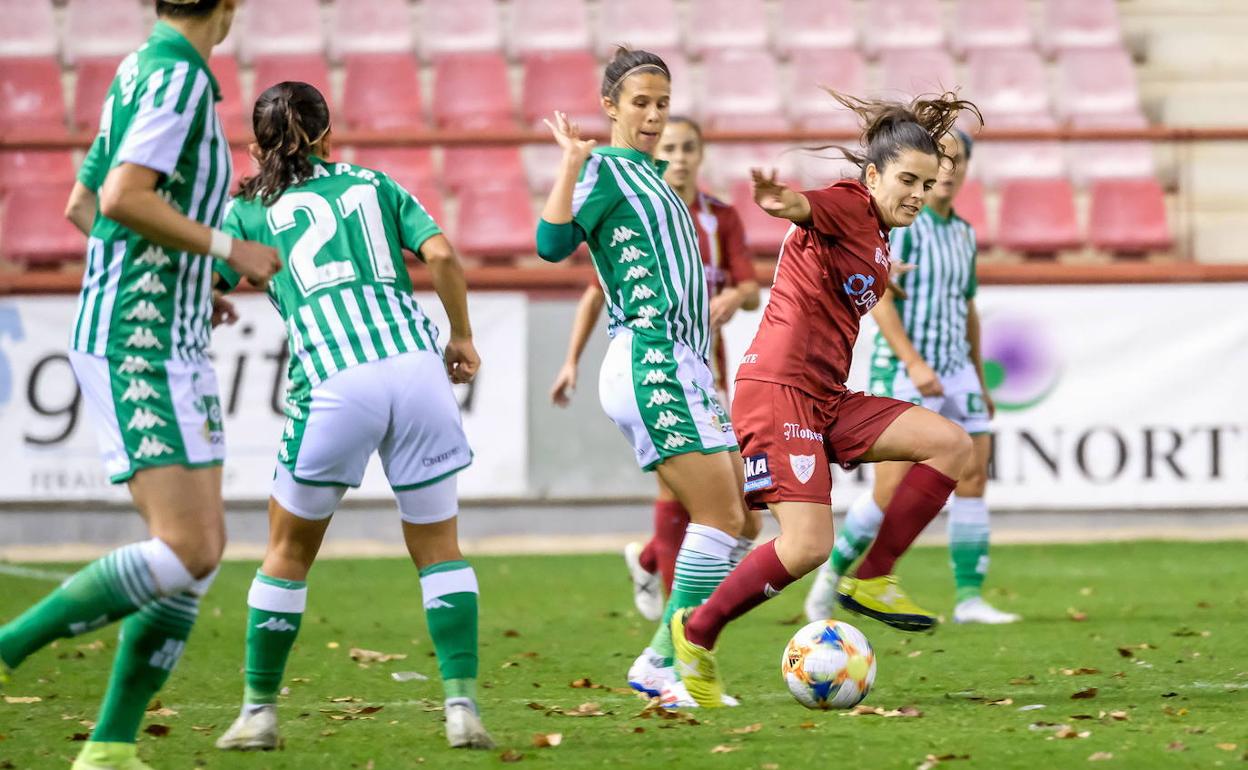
<point x="828" y="664"/>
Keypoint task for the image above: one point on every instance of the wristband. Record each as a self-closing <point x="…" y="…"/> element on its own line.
<point x="221" y="245"/>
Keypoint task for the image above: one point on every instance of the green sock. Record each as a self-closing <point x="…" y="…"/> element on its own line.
<point x="105" y="590"/>
<point x="968" y="545"/>
<point x="150" y="643"/>
<point x="275" y="611"/>
<point x="449" y="590"/>
<point x="702" y="563"/>
<point x="862" y="522"/>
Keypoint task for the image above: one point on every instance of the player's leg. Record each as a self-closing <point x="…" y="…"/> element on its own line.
<point x="653" y="567"/>
<point x="968" y="541"/>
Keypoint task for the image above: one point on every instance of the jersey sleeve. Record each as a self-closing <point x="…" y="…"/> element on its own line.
<point x="414" y="221"/>
<point x="592" y="198"/>
<point x="901" y="244"/>
<point x="169" y="100"/>
<point x="732" y="246"/>
<point x="231" y="225"/>
<point x="94" y="166"/>
<point x="832" y="209"/>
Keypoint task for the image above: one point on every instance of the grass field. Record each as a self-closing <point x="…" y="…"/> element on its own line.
<point x="1156" y="634"/>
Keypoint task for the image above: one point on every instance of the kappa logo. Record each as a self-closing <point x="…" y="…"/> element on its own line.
<point x="757" y="472"/>
<point x="275" y="623"/>
<point x="139" y="390"/>
<point x="668" y="419"/>
<point x="648" y="311"/>
<point x="642" y="291"/>
<point x="641" y="323"/>
<point x="660" y="398"/>
<point x="654" y="377"/>
<point x="81" y="627"/>
<point x="637" y="271"/>
<point x="288" y="430"/>
<point x="654" y="356"/>
<point x="676" y="441"/>
<point x="631" y="254"/>
<point x="145" y="419"/>
<point x="144" y="311"/>
<point x="622" y="235"/>
<point x="153" y="256"/>
<point x="143" y="339"/>
<point x="803" y="466"/>
<point x="135" y="365"/>
<point x="150" y="284"/>
<point x="151" y="446"/>
<point x="167" y="656"/>
<point x="437" y="603"/>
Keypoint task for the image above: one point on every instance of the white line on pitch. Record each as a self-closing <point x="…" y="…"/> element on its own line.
<point x="16" y="570"/>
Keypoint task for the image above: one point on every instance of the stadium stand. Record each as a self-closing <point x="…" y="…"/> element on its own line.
<point x="94" y="76"/>
<point x="658" y="29"/>
<point x="715" y="26"/>
<point x="381" y="91"/>
<point x="370" y="27"/>
<point x="107" y="29"/>
<point x="459" y="26"/>
<point x="545" y="26"/>
<point x="29" y="29"/>
<point x="282" y="28"/>
<point x="819" y="24"/>
<point x="1128" y="216"/>
<point x="471" y="91"/>
<point x="1038" y="216"/>
<point x="35" y="232"/>
<point x="30" y="97"/>
<point x="981" y="24"/>
<point x="235" y="117"/>
<point x="270" y="69"/>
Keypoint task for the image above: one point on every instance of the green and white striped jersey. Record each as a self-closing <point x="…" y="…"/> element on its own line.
<point x="939" y="287"/>
<point x="343" y="290"/>
<point x="644" y="246"/>
<point x="138" y="299"/>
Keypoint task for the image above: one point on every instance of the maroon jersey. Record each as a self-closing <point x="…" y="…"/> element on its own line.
<point x="831" y="271"/>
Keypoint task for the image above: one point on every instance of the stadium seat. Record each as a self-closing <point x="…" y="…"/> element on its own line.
<point x="90" y="89"/>
<point x="495" y="222"/>
<point x="471" y="91"/>
<point x="370" y="26"/>
<point x="1038" y="216"/>
<point x="1096" y="81"/>
<point x="459" y="26"/>
<point x="382" y="91"/>
<point x="543" y="26"/>
<point x="235" y="116"/>
<point x="568" y="81"/>
<point x="29" y="29"/>
<point x="999" y="162"/>
<point x="904" y="24"/>
<point x="819" y="24"/>
<point x="1093" y="160"/>
<point x="107" y="29"/>
<point x="763" y="232"/>
<point x="1081" y="24"/>
<point x="282" y="28"/>
<point x="729" y="162"/>
<point x="740" y="91"/>
<point x="809" y="105"/>
<point x="910" y="72"/>
<point x="30" y="97"/>
<point x="35" y="230"/>
<point x="466" y="167"/>
<point x="1008" y="85"/>
<point x="1129" y="216"/>
<point x="308" y="68"/>
<point x="411" y="167"/>
<point x="990" y="24"/>
<point x="715" y="25"/>
<point x="972" y="206"/>
<point x="619" y="23"/>
<point x="31" y="167"/>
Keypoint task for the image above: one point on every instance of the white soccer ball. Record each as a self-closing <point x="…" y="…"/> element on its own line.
<point x="828" y="664"/>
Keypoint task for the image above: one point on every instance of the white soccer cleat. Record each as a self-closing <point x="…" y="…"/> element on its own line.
<point x="676" y="696"/>
<point x="821" y="601"/>
<point x="647" y="594"/>
<point x="648" y="675"/>
<point x="463" y="726"/>
<point x="254" y="730"/>
<point x="976" y="610"/>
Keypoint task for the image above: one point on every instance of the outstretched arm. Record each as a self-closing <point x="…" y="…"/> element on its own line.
<point x="778" y="199"/>
<point x="556" y="235"/>
<point x="461" y="356"/>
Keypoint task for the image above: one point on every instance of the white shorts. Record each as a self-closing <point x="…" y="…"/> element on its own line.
<point x="963" y="401"/>
<point x="663" y="398"/>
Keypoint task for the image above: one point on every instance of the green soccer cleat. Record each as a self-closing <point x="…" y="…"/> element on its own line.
<point x="109" y="756"/>
<point x="696" y="666"/>
<point x="883" y="599"/>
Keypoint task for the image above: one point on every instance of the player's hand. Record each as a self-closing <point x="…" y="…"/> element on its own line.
<point x="723" y="307"/>
<point x="568" y="135"/>
<point x="565" y="385"/>
<point x="772" y="196"/>
<point x="223" y="311"/>
<point x="462" y="361"/>
<point x="254" y="261"/>
<point x="896" y="269"/>
<point x="925" y="379"/>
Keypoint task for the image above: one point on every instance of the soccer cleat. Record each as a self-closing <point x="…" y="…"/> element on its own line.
<point x="649" y="673"/>
<point x="676" y="696"/>
<point x="821" y="601"/>
<point x="463" y="726"/>
<point x="647" y="596"/>
<point x="883" y="599"/>
<point x="100" y="755"/>
<point x="976" y="610"/>
<point x="697" y="666"/>
<point x="254" y="730"/>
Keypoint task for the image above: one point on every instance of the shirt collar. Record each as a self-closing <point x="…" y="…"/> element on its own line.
<point x="166" y="36"/>
<point x="931" y="212"/>
<point x="636" y="155"/>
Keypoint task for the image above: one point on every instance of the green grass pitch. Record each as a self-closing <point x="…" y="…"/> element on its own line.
<point x="1155" y="633"/>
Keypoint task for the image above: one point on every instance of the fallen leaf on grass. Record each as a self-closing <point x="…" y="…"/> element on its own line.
<point x="511" y="633"/>
<point x="747" y="729"/>
<point x="586" y="683"/>
<point x="360" y="655"/>
<point x="1029" y="679"/>
<point x="1082" y="671"/>
<point x="1176" y="746"/>
<point x="1185" y="631"/>
<point x="79" y="737"/>
<point x="1085" y="694"/>
<point x="16" y="699"/>
<point x="162" y="712"/>
<point x="205" y="729"/>
<point x="808" y="725"/>
<point x="914" y="653"/>
<point x="1226" y="746"/>
<point x="511" y="755"/>
<point x="1082" y="716"/>
<point x="509" y="664"/>
<point x="332" y="645"/>
<point x="1100" y="756"/>
<point x="724" y="749"/>
<point x="932" y="760"/>
<point x="1032" y="707"/>
<point x="157" y="731"/>
<point x="769" y="766"/>
<point x="95" y="646"/>
<point x="1077" y="616"/>
<point x="584" y="710"/>
<point x="1066" y="731"/>
<point x="1001" y="702"/>
<point x="547" y="740"/>
<point x="876" y="711"/>
<point x="1117" y="716"/>
<point x="346" y="699"/>
<point x="1125" y="652"/>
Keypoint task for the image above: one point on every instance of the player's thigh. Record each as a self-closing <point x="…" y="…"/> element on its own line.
<point x="709" y="486"/>
<point x="424" y="441"/>
<point x="921" y="435"/>
<point x="183" y="507"/>
<point x="294" y="540"/>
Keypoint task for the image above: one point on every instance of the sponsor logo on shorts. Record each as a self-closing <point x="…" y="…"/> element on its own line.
<point x="139" y="390"/>
<point x="660" y="398"/>
<point x="757" y="473"/>
<point x="145" y="419"/>
<point x="803" y="466"/>
<point x="135" y="365"/>
<point x="858" y="287"/>
<point x="654" y="377"/>
<point x="150" y="284"/>
<point x="429" y="462"/>
<point x="641" y="323"/>
<point x="654" y="356"/>
<point x="145" y="311"/>
<point x="793" y="430"/>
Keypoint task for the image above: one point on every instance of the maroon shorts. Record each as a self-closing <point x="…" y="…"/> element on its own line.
<point x="788" y="438"/>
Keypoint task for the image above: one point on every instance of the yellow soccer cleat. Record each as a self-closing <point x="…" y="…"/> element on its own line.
<point x="109" y="756"/>
<point x="883" y="599"/>
<point x="696" y="665"/>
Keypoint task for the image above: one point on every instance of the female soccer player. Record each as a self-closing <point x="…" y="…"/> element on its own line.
<point x="791" y="406"/>
<point x="655" y="383"/>
<point x="149" y="195"/>
<point x="927" y="352"/>
<point x="732" y="286"/>
<point x="366" y="376"/>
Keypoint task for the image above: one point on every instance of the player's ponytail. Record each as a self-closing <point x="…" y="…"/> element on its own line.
<point x="289" y="121"/>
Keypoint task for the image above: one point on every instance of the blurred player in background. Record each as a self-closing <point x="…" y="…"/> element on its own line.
<point x="792" y="409"/>
<point x="927" y="352"/>
<point x="655" y="383"/>
<point x="366" y="375"/>
<point x="149" y="195"/>
<point x="733" y="286"/>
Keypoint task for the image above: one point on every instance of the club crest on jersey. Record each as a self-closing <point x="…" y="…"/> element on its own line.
<point x="803" y="466"/>
<point x="757" y="473"/>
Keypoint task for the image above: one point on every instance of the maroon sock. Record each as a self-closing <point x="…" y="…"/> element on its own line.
<point x="919" y="497"/>
<point x="758" y="577"/>
<point x="647" y="558"/>
<point x="670" y="522"/>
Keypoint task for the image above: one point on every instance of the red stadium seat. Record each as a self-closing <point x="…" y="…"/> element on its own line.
<point x="459" y="26"/>
<point x="1081" y="24"/>
<point x="308" y="68"/>
<point x="971" y="206"/>
<point x="1129" y="216"/>
<point x="916" y="71"/>
<point x="1008" y="85"/>
<point x="999" y="162"/>
<point x="1096" y="81"/>
<point x="382" y="91"/>
<point x="235" y="116"/>
<point x="29" y="29"/>
<point x="466" y="167"/>
<point x="495" y="222"/>
<point x="471" y="91"/>
<point x="1091" y="161"/>
<point x="991" y="24"/>
<point x="763" y="232"/>
<point x="1038" y="216"/>
<point x="31" y="167"/>
<point x="568" y="81"/>
<point x="541" y="26"/>
<point x="91" y="88"/>
<point x="818" y="24"/>
<point x="370" y="26"/>
<point x="716" y="25"/>
<point x="904" y="24"/>
<point x="282" y="28"/>
<point x="619" y="23"/>
<point x="739" y="91"/>
<point x="35" y="230"/>
<point x="30" y="97"/>
<point x="411" y="167"/>
<point x="810" y="106"/>
<point x="107" y="29"/>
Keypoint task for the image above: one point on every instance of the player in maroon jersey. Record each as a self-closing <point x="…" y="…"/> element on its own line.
<point x="792" y="411"/>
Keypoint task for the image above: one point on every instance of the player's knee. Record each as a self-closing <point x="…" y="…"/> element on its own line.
<point x="808" y="552"/>
<point x="973" y="481"/>
<point x="200" y="553"/>
<point x="955" y="443"/>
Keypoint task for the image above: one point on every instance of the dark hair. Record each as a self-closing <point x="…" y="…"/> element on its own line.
<point x="967" y="141"/>
<point x="688" y="121"/>
<point x="891" y="127"/>
<point x="627" y="62"/>
<point x="184" y="9"/>
<point x="288" y="120"/>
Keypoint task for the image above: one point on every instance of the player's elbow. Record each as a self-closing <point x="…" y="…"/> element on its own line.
<point x="439" y="252"/>
<point x="114" y="202"/>
<point x="750" y="296"/>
